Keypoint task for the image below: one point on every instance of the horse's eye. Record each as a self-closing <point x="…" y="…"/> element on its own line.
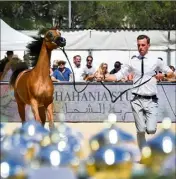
<point x="49" y="35"/>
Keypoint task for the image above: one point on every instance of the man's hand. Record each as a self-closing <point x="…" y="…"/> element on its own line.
<point x="159" y="76"/>
<point x="89" y="77"/>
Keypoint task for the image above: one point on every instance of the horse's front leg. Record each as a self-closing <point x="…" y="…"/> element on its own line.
<point x="50" y="115"/>
<point x="34" y="106"/>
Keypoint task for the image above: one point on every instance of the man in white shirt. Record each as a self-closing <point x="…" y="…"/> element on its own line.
<point x="77" y="69"/>
<point x="145" y="101"/>
<point x="89" y="70"/>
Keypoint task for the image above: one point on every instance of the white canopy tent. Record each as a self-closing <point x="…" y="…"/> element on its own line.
<point x="114" y="40"/>
<point x="172" y="43"/>
<point x="116" y="45"/>
<point x="110" y="46"/>
<point x="12" y="39"/>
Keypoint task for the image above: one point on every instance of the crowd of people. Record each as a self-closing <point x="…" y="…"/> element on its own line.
<point x="59" y="72"/>
<point x="82" y="73"/>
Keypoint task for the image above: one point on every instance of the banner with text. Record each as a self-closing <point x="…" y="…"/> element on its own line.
<point x="93" y="104"/>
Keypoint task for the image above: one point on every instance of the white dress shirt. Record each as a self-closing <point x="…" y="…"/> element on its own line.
<point x="78" y="73"/>
<point x="151" y="65"/>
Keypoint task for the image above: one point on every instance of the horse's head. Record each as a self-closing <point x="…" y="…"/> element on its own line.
<point x="53" y="39"/>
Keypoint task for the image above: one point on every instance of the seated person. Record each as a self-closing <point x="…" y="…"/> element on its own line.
<point x="101" y="72"/>
<point x="62" y="73"/>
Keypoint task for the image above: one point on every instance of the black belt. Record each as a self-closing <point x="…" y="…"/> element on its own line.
<point x="145" y="97"/>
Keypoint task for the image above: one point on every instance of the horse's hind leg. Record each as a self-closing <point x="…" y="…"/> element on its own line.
<point x="21" y="108"/>
<point x="50" y="115"/>
<point x="42" y="114"/>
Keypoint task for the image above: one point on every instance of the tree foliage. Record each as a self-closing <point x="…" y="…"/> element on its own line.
<point x="27" y="15"/>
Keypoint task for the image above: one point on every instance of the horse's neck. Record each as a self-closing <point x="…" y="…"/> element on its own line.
<point x="42" y="67"/>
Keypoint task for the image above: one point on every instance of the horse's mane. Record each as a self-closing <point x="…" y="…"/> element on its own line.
<point x="34" y="48"/>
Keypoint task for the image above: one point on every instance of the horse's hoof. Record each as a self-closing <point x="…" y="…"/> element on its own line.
<point x="39" y="121"/>
<point x="51" y="126"/>
<point x="23" y="122"/>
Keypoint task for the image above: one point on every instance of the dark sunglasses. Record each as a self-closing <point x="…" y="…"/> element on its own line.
<point x="142" y="45"/>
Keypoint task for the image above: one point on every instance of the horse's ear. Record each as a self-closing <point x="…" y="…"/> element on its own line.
<point x="57" y="25"/>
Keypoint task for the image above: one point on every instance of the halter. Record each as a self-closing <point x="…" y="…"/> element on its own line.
<point x="57" y="40"/>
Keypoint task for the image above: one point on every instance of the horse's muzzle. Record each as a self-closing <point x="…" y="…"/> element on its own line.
<point x="60" y="41"/>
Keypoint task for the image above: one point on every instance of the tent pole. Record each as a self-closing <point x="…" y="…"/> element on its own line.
<point x="168" y="50"/>
<point x="69" y="14"/>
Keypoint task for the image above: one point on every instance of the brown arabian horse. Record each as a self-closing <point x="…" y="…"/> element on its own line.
<point x="35" y="87"/>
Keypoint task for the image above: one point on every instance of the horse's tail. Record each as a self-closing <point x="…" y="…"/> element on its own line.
<point x="18" y="69"/>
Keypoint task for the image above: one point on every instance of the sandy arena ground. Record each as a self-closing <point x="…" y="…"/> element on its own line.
<point x="89" y="129"/>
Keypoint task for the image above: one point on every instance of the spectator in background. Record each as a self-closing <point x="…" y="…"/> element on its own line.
<point x="88" y="70"/>
<point x="4" y="61"/>
<point x="54" y="67"/>
<point x="77" y="69"/>
<point x="117" y="67"/>
<point x="172" y="68"/>
<point x="62" y="73"/>
<point x="101" y="72"/>
<point x="173" y="79"/>
<point x="161" y="77"/>
<point x="9" y="68"/>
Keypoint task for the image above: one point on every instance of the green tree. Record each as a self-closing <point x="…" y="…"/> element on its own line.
<point x="31" y="14"/>
<point x="151" y="14"/>
<point x="90" y="14"/>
